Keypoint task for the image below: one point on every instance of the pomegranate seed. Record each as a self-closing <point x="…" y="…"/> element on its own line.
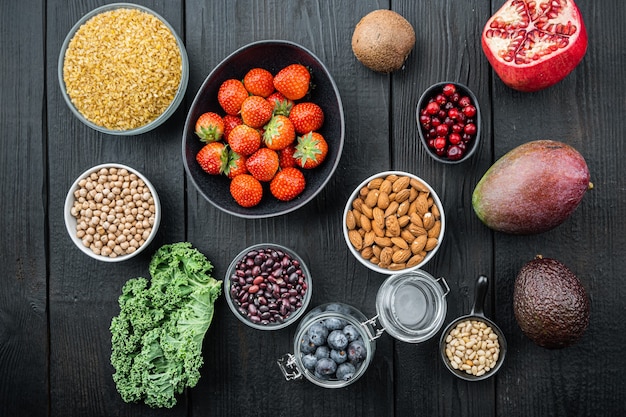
<point x="449" y="89"/>
<point x="469" y="111"/>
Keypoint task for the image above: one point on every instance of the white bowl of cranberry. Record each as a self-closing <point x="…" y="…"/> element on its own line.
<point x="267" y="286"/>
<point x="448" y="118"/>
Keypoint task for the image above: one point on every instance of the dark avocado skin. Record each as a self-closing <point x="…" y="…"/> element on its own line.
<point x="531" y="189"/>
<point x="550" y="304"/>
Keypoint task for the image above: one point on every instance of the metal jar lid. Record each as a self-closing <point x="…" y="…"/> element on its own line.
<point x="411" y="306"/>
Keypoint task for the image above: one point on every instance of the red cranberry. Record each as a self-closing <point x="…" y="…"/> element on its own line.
<point x="469" y="111"/>
<point x="435" y="121"/>
<point x="449" y="89"/>
<point x="440" y="142"/>
<point x="442" y="130"/>
<point x="424" y="118"/>
<point x="453" y="113"/>
<point x="465" y="101"/>
<point x="457" y="128"/>
<point x="441" y="99"/>
<point x="454" y="138"/>
<point x="470" y="129"/>
<point x="455" y="97"/>
<point x="432" y="108"/>
<point x="454" y="153"/>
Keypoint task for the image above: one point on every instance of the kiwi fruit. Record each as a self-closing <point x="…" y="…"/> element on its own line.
<point x="382" y="40"/>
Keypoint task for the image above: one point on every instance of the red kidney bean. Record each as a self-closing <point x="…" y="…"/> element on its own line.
<point x="267" y="285"/>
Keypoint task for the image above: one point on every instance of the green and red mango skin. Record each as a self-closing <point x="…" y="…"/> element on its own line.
<point x="532" y="189"/>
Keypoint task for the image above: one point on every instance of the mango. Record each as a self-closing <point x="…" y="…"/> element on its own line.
<point x="532" y="189"/>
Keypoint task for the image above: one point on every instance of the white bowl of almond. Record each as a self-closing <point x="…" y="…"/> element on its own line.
<point x="393" y="222"/>
<point x="112" y="212"/>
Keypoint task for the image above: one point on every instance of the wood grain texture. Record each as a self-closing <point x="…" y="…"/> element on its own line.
<point x="23" y="187"/>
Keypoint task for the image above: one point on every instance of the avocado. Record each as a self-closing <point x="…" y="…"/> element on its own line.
<point x="531" y="189"/>
<point x="550" y="303"/>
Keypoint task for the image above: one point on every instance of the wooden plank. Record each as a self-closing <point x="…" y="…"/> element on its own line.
<point x="23" y="242"/>
<point x="84" y="292"/>
<point x="240" y="375"/>
<point x="584" y="110"/>
<point x="447" y="49"/>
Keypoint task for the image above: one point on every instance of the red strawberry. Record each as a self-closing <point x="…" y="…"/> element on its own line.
<point x="306" y="117"/>
<point x="246" y="190"/>
<point x="263" y="164"/>
<point x="234" y="164"/>
<point x="244" y="140"/>
<point x="210" y="157"/>
<point x="311" y="150"/>
<point x="279" y="133"/>
<point x="285" y="157"/>
<point x="210" y="127"/>
<point x="259" y="82"/>
<point x="230" y="122"/>
<point x="256" y="111"/>
<point x="293" y="81"/>
<point x="231" y="95"/>
<point x="282" y="105"/>
<point x="287" y="184"/>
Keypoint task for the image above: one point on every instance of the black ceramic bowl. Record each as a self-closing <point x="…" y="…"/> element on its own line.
<point x="470" y="146"/>
<point x="272" y="55"/>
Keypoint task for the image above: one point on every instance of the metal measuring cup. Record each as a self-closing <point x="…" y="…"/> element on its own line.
<point x="477" y="314"/>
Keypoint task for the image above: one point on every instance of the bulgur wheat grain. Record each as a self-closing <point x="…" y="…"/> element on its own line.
<point x="122" y="69"/>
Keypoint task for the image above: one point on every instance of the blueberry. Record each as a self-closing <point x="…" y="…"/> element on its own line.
<point x="334" y="323"/>
<point x="339" y="356"/>
<point x="356" y="352"/>
<point x="320" y="376"/>
<point x="335" y="307"/>
<point x="345" y="371"/>
<point x="322" y="352"/>
<point x="351" y="333"/>
<point x="337" y="340"/>
<point x="306" y="346"/>
<point x="309" y="361"/>
<point x="325" y="366"/>
<point x="318" y="334"/>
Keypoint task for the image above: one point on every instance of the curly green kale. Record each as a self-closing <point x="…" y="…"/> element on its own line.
<point x="157" y="337"/>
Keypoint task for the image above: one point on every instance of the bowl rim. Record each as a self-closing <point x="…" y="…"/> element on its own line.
<point x="341" y="136"/>
<point x="476" y="142"/>
<point x="180" y="92"/>
<point x="295" y="315"/>
<point x="70" y="221"/>
<point x="377" y="268"/>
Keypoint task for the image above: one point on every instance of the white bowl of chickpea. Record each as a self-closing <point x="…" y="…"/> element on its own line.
<point x="112" y="212"/>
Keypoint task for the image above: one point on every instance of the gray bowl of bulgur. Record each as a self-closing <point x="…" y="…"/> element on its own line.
<point x="123" y="70"/>
<point x="112" y="212"/>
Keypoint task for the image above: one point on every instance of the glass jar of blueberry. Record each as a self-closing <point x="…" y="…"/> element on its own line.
<point x="335" y="342"/>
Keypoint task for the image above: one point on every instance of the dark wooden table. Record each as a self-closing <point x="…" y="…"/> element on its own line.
<point x="56" y="304"/>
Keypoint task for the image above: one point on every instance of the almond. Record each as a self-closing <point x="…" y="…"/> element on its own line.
<point x="418" y="244"/>
<point x="429" y="220"/>
<point x="371" y="198"/>
<point x="367" y="252"/>
<point x="367" y="211"/>
<point x="418" y="185"/>
<point x="435" y="230"/>
<point x="407" y="236"/>
<point x="393" y="207"/>
<point x="417" y="230"/>
<point x="401" y="243"/>
<point x="416" y="219"/>
<point x="383" y="241"/>
<point x="392" y="226"/>
<point x="385" y="187"/>
<point x="379" y="216"/>
<point x="400" y="184"/>
<point x="430" y="244"/>
<point x="357" y="203"/>
<point x="403" y="195"/>
<point x="435" y="211"/>
<point x="364" y="191"/>
<point x="375" y="183"/>
<point x="378" y="231"/>
<point x="414" y="194"/>
<point x="414" y="260"/>
<point x="385" y="257"/>
<point x="383" y="200"/>
<point x="401" y="256"/>
<point x="355" y="239"/>
<point x="366" y="224"/>
<point x="392" y="178"/>
<point x="403" y="208"/>
<point x="396" y="267"/>
<point x="421" y="204"/>
<point x="368" y="239"/>
<point x="403" y="221"/>
<point x="350" y="222"/>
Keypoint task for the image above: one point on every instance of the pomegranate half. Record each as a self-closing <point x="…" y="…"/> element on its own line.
<point x="534" y="44"/>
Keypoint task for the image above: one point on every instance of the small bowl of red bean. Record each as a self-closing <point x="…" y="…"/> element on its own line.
<point x="112" y="212"/>
<point x="267" y="286"/>
<point x="449" y="121"/>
